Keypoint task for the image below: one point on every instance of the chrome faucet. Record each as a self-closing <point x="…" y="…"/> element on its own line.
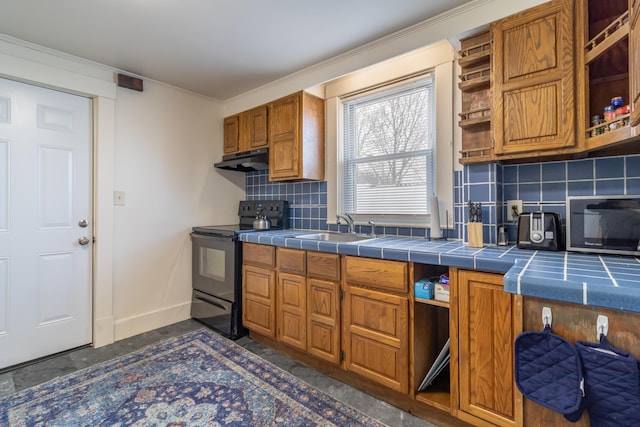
<point x="373" y="229"/>
<point x="349" y="220"/>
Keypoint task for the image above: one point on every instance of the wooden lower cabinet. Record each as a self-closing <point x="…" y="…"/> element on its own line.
<point x="323" y="319"/>
<point x="487" y="320"/>
<point x="292" y="310"/>
<point x="375" y="336"/>
<point x="258" y="301"/>
<point x="308" y="302"/>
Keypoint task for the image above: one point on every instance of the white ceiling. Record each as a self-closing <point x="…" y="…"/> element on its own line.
<point x="218" y="48"/>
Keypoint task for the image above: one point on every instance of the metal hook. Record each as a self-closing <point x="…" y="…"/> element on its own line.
<point x="602" y="326"/>
<point x="547" y="318"/>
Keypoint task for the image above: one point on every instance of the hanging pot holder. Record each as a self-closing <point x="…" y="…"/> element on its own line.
<point x="548" y="372"/>
<point x="612" y="384"/>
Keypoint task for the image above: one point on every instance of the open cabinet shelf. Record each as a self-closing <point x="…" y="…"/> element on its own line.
<point x="474" y="58"/>
<point x="430" y="334"/>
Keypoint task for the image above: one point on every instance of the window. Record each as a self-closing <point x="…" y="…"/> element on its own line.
<point x="430" y="70"/>
<point x="388" y="151"/>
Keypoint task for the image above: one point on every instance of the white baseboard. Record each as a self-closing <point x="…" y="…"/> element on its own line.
<point x="103" y="331"/>
<point x="130" y="326"/>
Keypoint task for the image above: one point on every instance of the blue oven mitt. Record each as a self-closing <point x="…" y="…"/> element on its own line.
<point x="612" y="384"/>
<point x="548" y="372"/>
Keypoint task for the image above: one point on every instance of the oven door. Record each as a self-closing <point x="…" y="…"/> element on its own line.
<point x="215" y="266"/>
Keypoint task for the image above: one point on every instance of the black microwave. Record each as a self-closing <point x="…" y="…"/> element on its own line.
<point x="604" y="224"/>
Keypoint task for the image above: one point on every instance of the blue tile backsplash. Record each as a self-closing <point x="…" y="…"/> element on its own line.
<point x="546" y="186"/>
<point x="541" y="186"/>
<point x="308" y="205"/>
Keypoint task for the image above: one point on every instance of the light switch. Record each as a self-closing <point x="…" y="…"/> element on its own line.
<point x="118" y="198"/>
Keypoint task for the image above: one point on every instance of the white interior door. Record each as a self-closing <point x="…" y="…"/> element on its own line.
<point x="45" y="222"/>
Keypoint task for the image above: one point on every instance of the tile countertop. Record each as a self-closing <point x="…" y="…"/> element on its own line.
<point x="594" y="280"/>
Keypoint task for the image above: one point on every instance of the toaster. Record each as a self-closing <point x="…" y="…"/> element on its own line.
<point x="540" y="230"/>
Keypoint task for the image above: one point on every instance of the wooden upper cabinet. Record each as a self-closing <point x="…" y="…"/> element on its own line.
<point x="533" y="103"/>
<point x="232" y="134"/>
<point x="246" y="131"/>
<point x="257" y="128"/>
<point x="296" y="138"/>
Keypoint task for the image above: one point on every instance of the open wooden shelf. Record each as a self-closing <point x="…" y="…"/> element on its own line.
<point x="607" y="38"/>
<point x="608" y="138"/>
<point x="476" y="54"/>
<point x="430" y="331"/>
<point x="439" y="303"/>
<point x="481" y="81"/>
<point x="438" y="394"/>
<point x="475" y="118"/>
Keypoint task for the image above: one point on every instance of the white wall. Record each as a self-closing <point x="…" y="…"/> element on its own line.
<point x="159" y="147"/>
<point x="448" y="25"/>
<point x="166" y="141"/>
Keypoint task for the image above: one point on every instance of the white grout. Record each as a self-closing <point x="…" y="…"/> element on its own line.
<point x="613" y="280"/>
<point x="525" y="269"/>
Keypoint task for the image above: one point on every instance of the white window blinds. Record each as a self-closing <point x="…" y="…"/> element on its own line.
<point x="388" y="151"/>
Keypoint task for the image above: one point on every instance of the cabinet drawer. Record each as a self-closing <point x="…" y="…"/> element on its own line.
<point x="325" y="266"/>
<point x="262" y="255"/>
<point x="377" y="273"/>
<point x="291" y="261"/>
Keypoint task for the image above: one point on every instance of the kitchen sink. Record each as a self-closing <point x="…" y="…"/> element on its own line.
<point x="335" y="237"/>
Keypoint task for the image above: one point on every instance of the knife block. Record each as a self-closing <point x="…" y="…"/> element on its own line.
<point x="474" y="232"/>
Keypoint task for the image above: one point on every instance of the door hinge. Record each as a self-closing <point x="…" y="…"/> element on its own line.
<point x="341" y="294"/>
<point x="342" y="356"/>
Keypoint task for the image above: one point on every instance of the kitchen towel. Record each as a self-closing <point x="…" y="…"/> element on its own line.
<point x="612" y="384"/>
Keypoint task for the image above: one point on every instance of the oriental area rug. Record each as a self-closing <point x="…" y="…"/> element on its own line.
<point x="199" y="379"/>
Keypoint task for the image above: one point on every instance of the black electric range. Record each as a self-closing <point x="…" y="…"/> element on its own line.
<point x="217" y="265"/>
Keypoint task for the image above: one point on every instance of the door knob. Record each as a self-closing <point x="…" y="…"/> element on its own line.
<point x="83" y="223"/>
<point x="83" y="241"/>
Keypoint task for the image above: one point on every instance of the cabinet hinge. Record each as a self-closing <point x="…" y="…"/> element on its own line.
<point x="341" y="294"/>
<point x="342" y="356"/>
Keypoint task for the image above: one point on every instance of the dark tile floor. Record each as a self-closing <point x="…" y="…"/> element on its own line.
<point x="44" y="370"/>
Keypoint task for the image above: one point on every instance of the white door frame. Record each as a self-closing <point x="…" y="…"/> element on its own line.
<point x="35" y="65"/>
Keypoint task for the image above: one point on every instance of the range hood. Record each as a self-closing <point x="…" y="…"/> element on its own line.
<point x="245" y="161"/>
